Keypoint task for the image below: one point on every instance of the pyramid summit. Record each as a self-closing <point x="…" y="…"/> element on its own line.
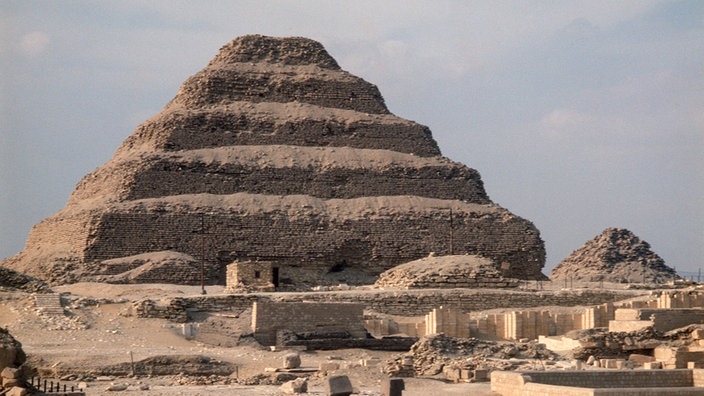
<point x="273" y="152"/>
<point x="615" y="255"/>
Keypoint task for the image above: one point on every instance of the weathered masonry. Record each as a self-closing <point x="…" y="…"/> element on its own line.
<point x="270" y="318"/>
<point x="273" y="153"/>
<point x="599" y="382"/>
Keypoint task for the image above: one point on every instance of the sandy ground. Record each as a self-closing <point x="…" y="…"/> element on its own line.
<point x="106" y="333"/>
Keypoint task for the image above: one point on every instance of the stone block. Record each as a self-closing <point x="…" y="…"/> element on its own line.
<point x="17" y="391"/>
<point x="652" y="365"/>
<point x="299" y="385"/>
<point x="292" y="361"/>
<point x="10" y="372"/>
<point x="392" y="387"/>
<point x="452" y="373"/>
<point x="117" y="387"/>
<point x="328" y="366"/>
<point x="698" y="334"/>
<point x="695" y="365"/>
<point x="638" y="358"/>
<point x="481" y="375"/>
<point x="10" y="382"/>
<point x="338" y="385"/>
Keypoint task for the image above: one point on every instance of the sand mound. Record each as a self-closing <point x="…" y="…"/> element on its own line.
<point x="445" y="272"/>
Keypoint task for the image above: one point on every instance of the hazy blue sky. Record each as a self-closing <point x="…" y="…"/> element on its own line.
<point x="580" y="115"/>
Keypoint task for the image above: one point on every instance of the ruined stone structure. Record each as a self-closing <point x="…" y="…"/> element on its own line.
<point x="665" y="310"/>
<point x="616" y="255"/>
<point x="660" y="319"/>
<point x="451" y="271"/>
<point x="513" y="325"/>
<point x="270" y="318"/>
<point x="245" y="276"/>
<point x="598" y="382"/>
<point x="272" y="152"/>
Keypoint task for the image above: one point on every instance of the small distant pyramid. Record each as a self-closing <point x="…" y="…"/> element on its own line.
<point x="616" y="255"/>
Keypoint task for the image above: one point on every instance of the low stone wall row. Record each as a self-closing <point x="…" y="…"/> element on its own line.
<point x="601" y="382"/>
<point x="390" y="302"/>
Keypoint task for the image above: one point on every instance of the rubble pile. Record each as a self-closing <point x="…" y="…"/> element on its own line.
<point x="14" y="280"/>
<point x="600" y="343"/>
<point x="11" y="358"/>
<point x="616" y="255"/>
<point x="431" y="354"/>
<point x="466" y="271"/>
<point x="171" y="365"/>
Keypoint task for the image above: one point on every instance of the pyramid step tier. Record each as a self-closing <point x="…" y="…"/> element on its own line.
<point x="285" y="170"/>
<point x="372" y="234"/>
<point x="298" y="124"/>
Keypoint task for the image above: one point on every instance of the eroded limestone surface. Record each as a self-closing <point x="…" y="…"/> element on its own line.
<point x="273" y="152"/>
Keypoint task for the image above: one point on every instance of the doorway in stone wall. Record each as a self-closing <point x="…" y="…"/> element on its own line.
<point x="275" y="277"/>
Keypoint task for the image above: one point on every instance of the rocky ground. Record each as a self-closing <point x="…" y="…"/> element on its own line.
<point x="97" y="340"/>
<point x="99" y="343"/>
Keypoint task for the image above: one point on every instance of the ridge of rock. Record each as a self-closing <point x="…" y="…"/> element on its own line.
<point x="615" y="255"/>
<point x="273" y="152"/>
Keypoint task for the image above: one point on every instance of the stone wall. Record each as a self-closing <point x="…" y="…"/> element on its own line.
<point x="269" y="317"/>
<point x="596" y="382"/>
<point x="400" y="302"/>
<point x="673" y="357"/>
<point x="660" y="319"/>
<point x="165" y="177"/>
<point x="513" y="325"/>
<point x="232" y="84"/>
<point x="246" y="275"/>
<point x="450" y="322"/>
<point x="680" y="299"/>
<point x="243" y="129"/>
<point x="315" y="242"/>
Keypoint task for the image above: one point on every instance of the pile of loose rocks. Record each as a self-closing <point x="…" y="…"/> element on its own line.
<point x="600" y="343"/>
<point x="14" y="280"/>
<point x="615" y="255"/>
<point x="11" y="359"/>
<point x="432" y="354"/>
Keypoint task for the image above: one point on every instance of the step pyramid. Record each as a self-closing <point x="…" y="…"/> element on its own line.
<point x="273" y="152"/>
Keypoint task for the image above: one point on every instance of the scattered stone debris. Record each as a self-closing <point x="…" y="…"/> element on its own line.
<point x="602" y="344"/>
<point x="431" y="354"/>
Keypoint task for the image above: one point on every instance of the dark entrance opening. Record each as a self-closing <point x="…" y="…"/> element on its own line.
<point x="275" y="276"/>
